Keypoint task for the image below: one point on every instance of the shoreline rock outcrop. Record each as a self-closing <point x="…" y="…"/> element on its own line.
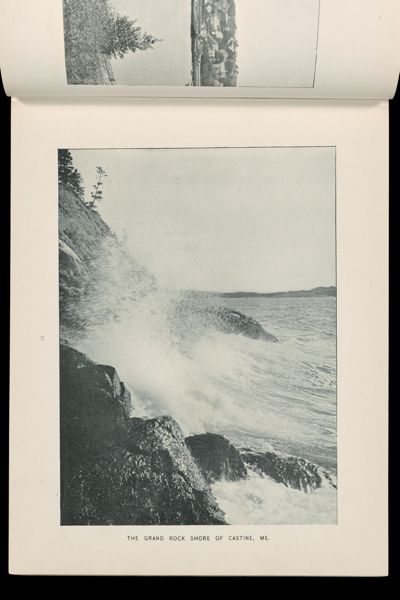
<point x="217" y="458"/>
<point x="197" y="312"/>
<point x="233" y="321"/>
<point x="292" y="471"/>
<point x="117" y="470"/>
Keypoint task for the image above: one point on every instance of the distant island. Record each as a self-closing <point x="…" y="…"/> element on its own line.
<point x="315" y="292"/>
<point x="318" y="291"/>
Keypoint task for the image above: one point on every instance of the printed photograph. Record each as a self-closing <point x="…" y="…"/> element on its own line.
<point x="223" y="43"/>
<point x="197" y="305"/>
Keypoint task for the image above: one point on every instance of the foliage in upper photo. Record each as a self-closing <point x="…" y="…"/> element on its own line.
<point x="94" y="33"/>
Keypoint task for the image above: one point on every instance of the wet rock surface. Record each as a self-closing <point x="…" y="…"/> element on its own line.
<point x="121" y="471"/>
<point x="292" y="471"/>
<point x="217" y="458"/>
<point x="232" y="321"/>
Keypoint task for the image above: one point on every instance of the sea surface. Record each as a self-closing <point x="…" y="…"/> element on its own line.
<point x="261" y="395"/>
<point x="290" y="387"/>
<point x="292" y="383"/>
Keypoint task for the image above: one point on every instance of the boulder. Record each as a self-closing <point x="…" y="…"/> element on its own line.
<point x="150" y="478"/>
<point x="121" y="471"/>
<point x="232" y="321"/>
<point x="292" y="471"/>
<point x="195" y="313"/>
<point x="93" y="407"/>
<point x="217" y="458"/>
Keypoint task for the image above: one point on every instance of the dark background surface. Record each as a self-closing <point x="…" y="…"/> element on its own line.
<point x="5" y="112"/>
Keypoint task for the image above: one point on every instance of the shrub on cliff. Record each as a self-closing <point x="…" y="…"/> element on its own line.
<point x="68" y="175"/>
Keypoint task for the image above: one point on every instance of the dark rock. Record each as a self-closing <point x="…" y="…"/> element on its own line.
<point x="232" y="321"/>
<point x="93" y="408"/>
<point x="292" y="471"/>
<point x="121" y="471"/>
<point x="194" y="313"/>
<point x="217" y="458"/>
<point x="148" y="479"/>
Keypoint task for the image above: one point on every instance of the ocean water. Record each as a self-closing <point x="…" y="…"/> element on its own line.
<point x="292" y="383"/>
<point x="261" y="395"/>
<point x="261" y="501"/>
<point x="291" y="386"/>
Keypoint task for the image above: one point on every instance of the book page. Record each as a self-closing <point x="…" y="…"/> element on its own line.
<point x="199" y="338"/>
<point x="201" y="48"/>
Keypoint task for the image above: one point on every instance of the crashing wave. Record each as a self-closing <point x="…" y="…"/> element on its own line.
<point x="293" y="471"/>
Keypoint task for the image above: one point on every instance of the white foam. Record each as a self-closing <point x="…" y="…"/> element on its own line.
<point x="261" y="501"/>
<point x="255" y="393"/>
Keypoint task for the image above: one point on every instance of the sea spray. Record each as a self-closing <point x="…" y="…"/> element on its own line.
<point x="277" y="397"/>
<point x="256" y="393"/>
<point x="260" y="500"/>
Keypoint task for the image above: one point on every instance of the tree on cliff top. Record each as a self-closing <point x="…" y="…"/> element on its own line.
<point x="97" y="194"/>
<point x="68" y="175"/>
<point x="123" y="36"/>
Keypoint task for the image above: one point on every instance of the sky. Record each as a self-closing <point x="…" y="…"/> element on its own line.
<point x="277" y="42"/>
<point x="169" y="62"/>
<point x="258" y="219"/>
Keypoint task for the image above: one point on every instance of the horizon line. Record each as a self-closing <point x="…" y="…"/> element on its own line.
<point x="317" y="287"/>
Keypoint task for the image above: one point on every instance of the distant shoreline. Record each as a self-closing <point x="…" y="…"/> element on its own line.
<point x="313" y="293"/>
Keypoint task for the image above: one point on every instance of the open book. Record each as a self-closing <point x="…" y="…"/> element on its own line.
<point x="199" y="285"/>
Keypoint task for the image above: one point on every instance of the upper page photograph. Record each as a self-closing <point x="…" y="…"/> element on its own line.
<point x="213" y="43"/>
<point x="303" y="49"/>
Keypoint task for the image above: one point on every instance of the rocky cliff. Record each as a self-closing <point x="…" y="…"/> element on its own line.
<point x="121" y="471"/>
<point x="118" y="470"/>
<point x="97" y="274"/>
<point x="99" y="279"/>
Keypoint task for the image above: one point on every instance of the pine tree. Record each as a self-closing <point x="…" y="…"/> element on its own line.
<point x="65" y="166"/>
<point x="123" y="36"/>
<point x="97" y="194"/>
<point x="68" y="176"/>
